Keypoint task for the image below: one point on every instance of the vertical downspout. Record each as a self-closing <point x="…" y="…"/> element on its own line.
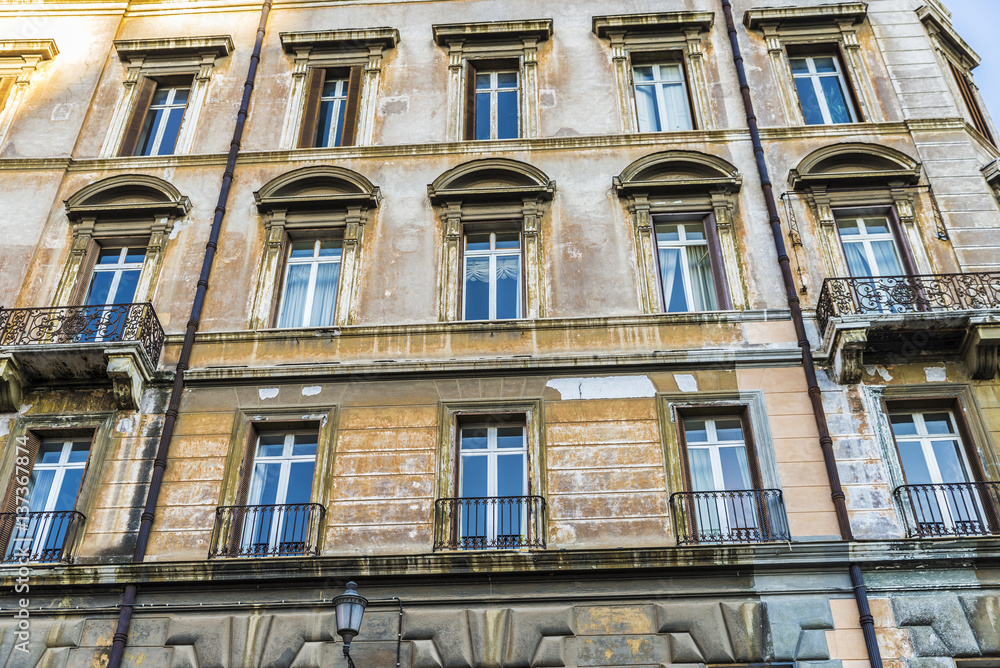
<point x="815" y="396"/>
<point x="177" y="391"/>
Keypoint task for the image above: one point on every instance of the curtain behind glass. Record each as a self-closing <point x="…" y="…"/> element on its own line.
<point x="674" y="298"/>
<point x="293" y="303"/>
<point x="325" y="294"/>
<point x="702" y="282"/>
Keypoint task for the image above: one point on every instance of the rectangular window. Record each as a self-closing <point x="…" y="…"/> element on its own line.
<point x="493" y="103"/>
<point x="493" y="484"/>
<point x="312" y="271"/>
<point x="54" y="484"/>
<point x="689" y="263"/>
<point x="278" y="514"/>
<point x="492" y="284"/>
<point x="661" y="97"/>
<point x="869" y="245"/>
<point x="163" y="120"/>
<point x="115" y="275"/>
<point x="330" y="117"/>
<point x="823" y="91"/>
<point x="976" y="114"/>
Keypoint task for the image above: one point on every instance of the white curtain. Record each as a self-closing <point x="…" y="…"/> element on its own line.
<point x="293" y="303"/>
<point x="324" y="294"/>
<point x="674" y="298"/>
<point x="702" y="284"/>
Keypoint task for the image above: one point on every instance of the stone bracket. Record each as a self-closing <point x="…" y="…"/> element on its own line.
<point x="129" y="377"/>
<point x="980" y="350"/>
<point x="847" y="351"/>
<point x="11" y="385"/>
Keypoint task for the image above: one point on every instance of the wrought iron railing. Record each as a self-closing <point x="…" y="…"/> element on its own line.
<point x="950" y="509"/>
<point x="267" y="531"/>
<point x="731" y="516"/>
<point x="900" y="294"/>
<point x="490" y="523"/>
<point x="83" y="324"/>
<point x="39" y="537"/>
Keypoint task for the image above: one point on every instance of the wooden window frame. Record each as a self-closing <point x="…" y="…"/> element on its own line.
<point x="741" y="411"/>
<point x="309" y="125"/>
<point x="147" y="88"/>
<point x="723" y="294"/>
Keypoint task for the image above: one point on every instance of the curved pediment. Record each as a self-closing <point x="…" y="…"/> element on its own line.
<point x="324" y="186"/>
<point x="678" y="171"/>
<point x="854" y="164"/>
<point x="496" y="178"/>
<point x="128" y="195"/>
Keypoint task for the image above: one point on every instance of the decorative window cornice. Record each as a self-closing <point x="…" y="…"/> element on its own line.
<point x="786" y="17"/>
<point x="340" y="40"/>
<point x="854" y="164"/>
<point x="172" y="47"/>
<point x="642" y="25"/>
<point x="538" y="30"/>
<point x="325" y="187"/>
<point x="127" y="196"/>
<point x="28" y="51"/>
<point x="492" y="179"/>
<point x="677" y="171"/>
<point x="939" y="26"/>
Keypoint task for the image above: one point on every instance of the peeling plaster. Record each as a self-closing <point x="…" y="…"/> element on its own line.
<point x="607" y="387"/>
<point x="935" y="374"/>
<point x="686" y="382"/>
<point x="311" y="390"/>
<point x="267" y="392"/>
<point x="4" y="426"/>
<point x="883" y="373"/>
<point x="124" y="426"/>
<point x="181" y="224"/>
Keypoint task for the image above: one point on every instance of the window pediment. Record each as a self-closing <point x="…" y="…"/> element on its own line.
<point x="791" y="17"/>
<point x="21" y="52"/>
<point x="173" y="47"/>
<point x="497" y="179"/>
<point x="340" y="41"/>
<point x="537" y="30"/>
<point x="847" y="164"/>
<point x="940" y="27"/>
<point x="677" y="171"/>
<point x="324" y="187"/>
<point x="127" y="196"/>
<point x="638" y="26"/>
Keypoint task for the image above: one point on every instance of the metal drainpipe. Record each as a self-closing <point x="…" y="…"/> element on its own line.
<point x="815" y="397"/>
<point x="160" y="463"/>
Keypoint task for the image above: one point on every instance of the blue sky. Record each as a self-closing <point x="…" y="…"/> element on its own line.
<point x="978" y="21"/>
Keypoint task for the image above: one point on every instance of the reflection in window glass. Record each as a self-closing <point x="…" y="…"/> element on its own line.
<point x="661" y="98"/>
<point x="497" y="100"/>
<point x="822" y="90"/>
<point x="685" y="268"/>
<point x="492" y="276"/>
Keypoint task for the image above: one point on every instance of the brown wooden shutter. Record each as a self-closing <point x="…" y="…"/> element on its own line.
<point x="310" y="114"/>
<point x="722" y="294"/>
<point x="755" y="477"/>
<point x="906" y="253"/>
<point x="965" y="88"/>
<point x="279" y="279"/>
<point x="349" y="135"/>
<point x="29" y="450"/>
<point x="470" y="100"/>
<point x="130" y="141"/>
<point x="82" y="285"/>
<point x="6" y="86"/>
<point x="239" y="515"/>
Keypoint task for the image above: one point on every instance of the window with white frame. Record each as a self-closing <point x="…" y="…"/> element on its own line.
<point x="280" y="487"/>
<point x="163" y="120"/>
<point x="822" y="89"/>
<point x="492" y="283"/>
<point x="493" y="481"/>
<point x="332" y="110"/>
<point x="495" y="101"/>
<point x="870" y="246"/>
<point x="661" y="97"/>
<point x="685" y="267"/>
<point x="115" y="275"/>
<point x="312" y="271"/>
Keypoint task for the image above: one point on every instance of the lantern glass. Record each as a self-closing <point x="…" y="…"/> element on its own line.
<point x="350" y="609"/>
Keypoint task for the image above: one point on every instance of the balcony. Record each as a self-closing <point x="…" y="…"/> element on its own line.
<point x="490" y="523"/>
<point x="950" y="509"/>
<point x="39" y="537"/>
<point x="729" y="517"/>
<point x="284" y="530"/>
<point x="79" y="344"/>
<point x="896" y="319"/>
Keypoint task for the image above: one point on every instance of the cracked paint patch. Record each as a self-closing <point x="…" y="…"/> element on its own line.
<point x="267" y="392"/>
<point x="686" y="382"/>
<point x="935" y="374"/>
<point x="607" y="387"/>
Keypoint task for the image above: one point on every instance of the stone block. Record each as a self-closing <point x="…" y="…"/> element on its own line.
<point x="938" y="625"/>
<point x="614" y="620"/>
<point x="796" y="628"/>
<point x="622" y="650"/>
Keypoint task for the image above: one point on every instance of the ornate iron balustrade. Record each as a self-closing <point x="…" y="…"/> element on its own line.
<point x="490" y="523"/>
<point x="39" y="537"/>
<point x="284" y="530"/>
<point x="902" y="294"/>
<point x="950" y="509"/>
<point x="731" y="516"/>
<point x="83" y="324"/>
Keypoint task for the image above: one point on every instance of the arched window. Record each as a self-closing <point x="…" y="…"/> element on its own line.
<point x="315" y="219"/>
<point x="491" y="260"/>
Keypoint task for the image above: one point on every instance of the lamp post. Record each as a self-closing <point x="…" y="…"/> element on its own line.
<point x="350" y="608"/>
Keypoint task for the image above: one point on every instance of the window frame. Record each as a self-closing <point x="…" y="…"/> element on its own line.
<point x="901" y="244"/>
<point x="20" y="62"/>
<point x="658" y="85"/>
<point x="720" y="284"/>
<point x="478" y="228"/>
<point x="314" y="261"/>
<point x="846" y="87"/>
<point x="151" y="133"/>
<point x="495" y="68"/>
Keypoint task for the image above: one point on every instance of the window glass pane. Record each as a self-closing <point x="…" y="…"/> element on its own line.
<point x="109" y="255"/>
<point x="878" y="225"/>
<point x="903" y="424"/>
<point x="126" y="287"/>
<point x="824" y="64"/>
<point x="646" y="110"/>
<point x="510" y="437"/>
<point x="507" y="115"/>
<point x="181" y="96"/>
<point x="667" y="233"/>
<point x="79" y="451"/>
<point x="330" y="249"/>
<point x="483" y="81"/>
<point x="836" y="101"/>
<point x="508" y="240"/>
<point x="173" y="125"/>
<point x="265" y="484"/>
<point x="510" y="475"/>
<point x="911" y="457"/>
<point x="735" y="468"/>
<point x="293" y="303"/>
<point x="477" y="288"/>
<point x="474" y="438"/>
<point x="729" y="430"/>
<point x="809" y="102"/>
<point x="161" y="95"/>
<point x="153" y="119"/>
<point x="331" y="88"/>
<point x="949" y="461"/>
<point x="304" y="444"/>
<point x="643" y="73"/>
<point x="49" y="452"/>
<point x="672" y="277"/>
<point x="482" y="116"/>
<point x="38" y="490"/>
<point x="678" y="113"/>
<point x="66" y="498"/>
<point x="799" y="65"/>
<point x="849" y="227"/>
<point x="886" y="260"/>
<point x="671" y="73"/>
<point x="303" y="248"/>
<point x="695" y="431"/>
<point x="856" y="260"/>
<point x="325" y="122"/>
<point x="701" y="469"/>
<point x="477" y="241"/>
<point x="300" y="482"/>
<point x="507" y="79"/>
<point x="100" y="287"/>
<point x="694" y="232"/>
<point x="271" y="445"/>
<point x="508" y="287"/>
<point x="135" y="255"/>
<point x="325" y="294"/>
<point x="938" y="423"/>
<point x="474" y="476"/>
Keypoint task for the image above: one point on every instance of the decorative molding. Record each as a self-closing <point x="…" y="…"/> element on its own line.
<point x="661" y="22"/>
<point x="668" y="172"/>
<point x="129" y="195"/>
<point x="11" y="384"/>
<point x="20" y="59"/>
<point x="854" y="164"/>
<point x="173" y="47"/>
<point x="346" y="40"/>
<point x="939" y="26"/>
<point x="447" y="34"/>
<point x="981" y="346"/>
<point x="850" y="11"/>
<point x="29" y="50"/>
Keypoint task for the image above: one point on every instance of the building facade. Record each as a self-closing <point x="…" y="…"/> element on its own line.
<point x="490" y="318"/>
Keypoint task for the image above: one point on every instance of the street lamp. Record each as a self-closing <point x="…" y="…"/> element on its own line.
<point x="350" y="609"/>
